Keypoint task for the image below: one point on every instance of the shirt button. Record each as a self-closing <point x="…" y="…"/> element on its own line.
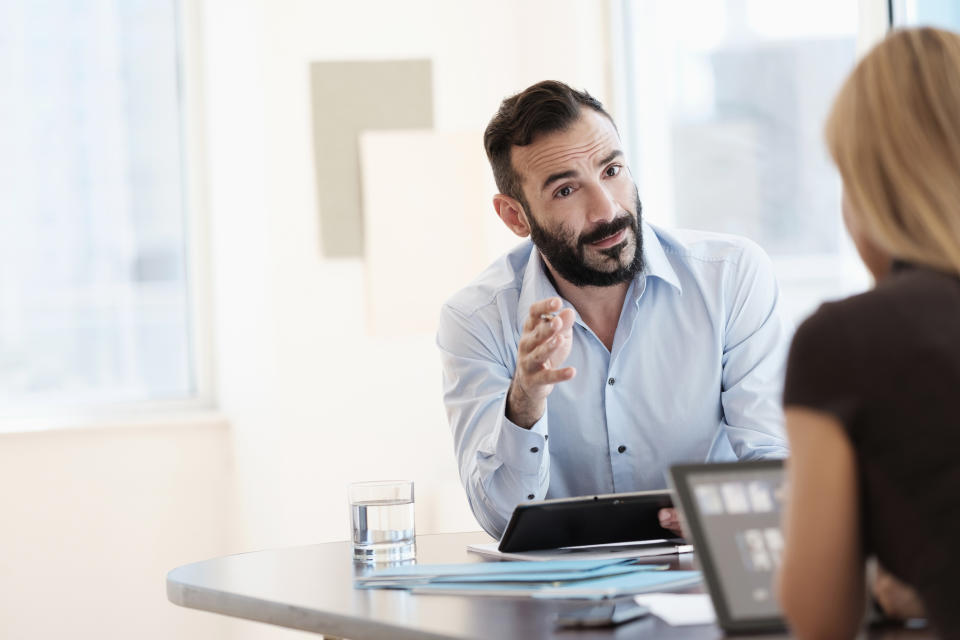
<point x="530" y="497"/>
<point x="546" y="437"/>
<point x="534" y="449"/>
<point x="611" y="381"/>
<point x="621" y="449"/>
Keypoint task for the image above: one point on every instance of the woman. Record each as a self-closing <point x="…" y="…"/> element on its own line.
<point x="873" y="381"/>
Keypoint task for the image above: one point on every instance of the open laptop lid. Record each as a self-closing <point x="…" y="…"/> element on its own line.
<point x="732" y="513"/>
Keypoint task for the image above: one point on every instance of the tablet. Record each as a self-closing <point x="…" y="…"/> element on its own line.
<point x="587" y="520"/>
<point x="732" y="513"/>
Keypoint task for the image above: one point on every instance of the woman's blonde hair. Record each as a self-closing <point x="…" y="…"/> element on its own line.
<point x="894" y="134"/>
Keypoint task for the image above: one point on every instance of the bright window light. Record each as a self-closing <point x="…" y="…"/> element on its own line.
<point x="724" y="110"/>
<point x="94" y="298"/>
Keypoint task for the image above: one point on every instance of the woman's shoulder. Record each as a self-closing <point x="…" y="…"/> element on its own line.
<point x="900" y="322"/>
<point x="833" y="356"/>
<point x="839" y="321"/>
<point x="901" y="304"/>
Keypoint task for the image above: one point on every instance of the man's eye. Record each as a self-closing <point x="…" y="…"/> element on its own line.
<point x="564" y="192"/>
<point x="613" y="170"/>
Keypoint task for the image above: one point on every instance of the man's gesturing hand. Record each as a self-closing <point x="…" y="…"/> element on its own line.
<point x="544" y="345"/>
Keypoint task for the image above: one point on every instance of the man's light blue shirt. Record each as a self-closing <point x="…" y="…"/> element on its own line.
<point x="695" y="374"/>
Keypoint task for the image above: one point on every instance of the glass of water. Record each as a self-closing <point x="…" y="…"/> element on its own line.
<point x="381" y="514"/>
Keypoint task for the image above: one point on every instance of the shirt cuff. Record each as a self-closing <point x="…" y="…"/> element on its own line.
<point x="523" y="450"/>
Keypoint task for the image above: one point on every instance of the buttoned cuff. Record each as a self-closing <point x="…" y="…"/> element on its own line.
<point x="523" y="450"/>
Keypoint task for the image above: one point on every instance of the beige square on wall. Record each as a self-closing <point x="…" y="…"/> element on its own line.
<point x="349" y="97"/>
<point x="430" y="224"/>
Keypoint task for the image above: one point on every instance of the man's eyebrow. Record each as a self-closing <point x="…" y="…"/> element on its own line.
<point x="571" y="173"/>
<point x="610" y="158"/>
<point x="553" y="177"/>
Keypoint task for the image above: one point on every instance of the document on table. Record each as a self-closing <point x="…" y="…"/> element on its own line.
<point x="586" y="579"/>
<point x="499" y="572"/>
<point x="596" y="551"/>
<point x="680" y="609"/>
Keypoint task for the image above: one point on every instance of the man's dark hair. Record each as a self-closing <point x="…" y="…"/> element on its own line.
<point x="545" y="107"/>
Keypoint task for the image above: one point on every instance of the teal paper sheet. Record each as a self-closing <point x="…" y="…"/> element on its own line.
<point x="553" y="579"/>
<point x="555" y="576"/>
<point x="501" y="577"/>
<point x="485" y="568"/>
<point x="600" y="588"/>
<point x="500" y="571"/>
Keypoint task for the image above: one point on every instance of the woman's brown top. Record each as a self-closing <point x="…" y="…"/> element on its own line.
<point x="886" y="363"/>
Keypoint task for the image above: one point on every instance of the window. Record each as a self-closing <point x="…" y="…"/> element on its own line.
<point x="944" y="14"/>
<point x="94" y="274"/>
<point x="725" y="103"/>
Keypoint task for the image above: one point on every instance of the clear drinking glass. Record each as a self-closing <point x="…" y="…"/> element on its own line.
<point x="381" y="515"/>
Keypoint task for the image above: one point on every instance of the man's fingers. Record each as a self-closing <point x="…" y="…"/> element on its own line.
<point x="548" y="327"/>
<point x="670" y="519"/>
<point x="545" y="341"/>
<point x="561" y="323"/>
<point x="553" y="376"/>
<point x="546" y="319"/>
<point x="547" y="354"/>
<point x="540" y="335"/>
<point x="531" y="342"/>
<point x="542" y="328"/>
<point x="667" y="516"/>
<point x="539" y="360"/>
<point x="547" y="307"/>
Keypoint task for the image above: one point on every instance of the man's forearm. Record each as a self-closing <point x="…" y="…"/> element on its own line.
<point x="522" y="410"/>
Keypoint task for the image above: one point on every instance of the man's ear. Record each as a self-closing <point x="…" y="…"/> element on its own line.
<point x="511" y="212"/>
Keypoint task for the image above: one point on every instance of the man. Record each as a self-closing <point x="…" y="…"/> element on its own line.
<point x="592" y="359"/>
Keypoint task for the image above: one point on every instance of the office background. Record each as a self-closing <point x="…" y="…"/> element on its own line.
<point x="218" y="303"/>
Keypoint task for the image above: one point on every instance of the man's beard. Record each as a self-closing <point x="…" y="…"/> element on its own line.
<point x="566" y="253"/>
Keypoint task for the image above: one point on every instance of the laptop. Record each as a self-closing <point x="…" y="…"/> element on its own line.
<point x="731" y="511"/>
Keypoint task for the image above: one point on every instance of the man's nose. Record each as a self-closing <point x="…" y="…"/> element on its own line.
<point x="602" y="206"/>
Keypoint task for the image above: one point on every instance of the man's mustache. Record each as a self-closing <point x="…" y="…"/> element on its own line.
<point x="606" y="229"/>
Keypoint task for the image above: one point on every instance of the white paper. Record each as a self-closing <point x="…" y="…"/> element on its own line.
<point x="596" y="552"/>
<point x="680" y="609"/>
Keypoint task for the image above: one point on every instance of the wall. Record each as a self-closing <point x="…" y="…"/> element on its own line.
<point x="94" y="518"/>
<point x="316" y="402"/>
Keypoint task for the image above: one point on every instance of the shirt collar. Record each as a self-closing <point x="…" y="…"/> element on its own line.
<point x="537" y="286"/>
<point x="657" y="265"/>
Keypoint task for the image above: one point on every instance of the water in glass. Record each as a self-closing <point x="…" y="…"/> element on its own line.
<point x="383" y="530"/>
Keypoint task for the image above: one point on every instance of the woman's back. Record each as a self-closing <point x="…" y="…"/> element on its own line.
<point x="886" y="363"/>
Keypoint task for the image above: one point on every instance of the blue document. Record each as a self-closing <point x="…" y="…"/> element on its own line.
<point x="556" y="579"/>
<point x="595" y="589"/>
<point x="492" y="568"/>
<point x="489" y="572"/>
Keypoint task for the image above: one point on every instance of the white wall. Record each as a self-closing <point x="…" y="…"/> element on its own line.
<point x="316" y="402"/>
<point x="94" y="518"/>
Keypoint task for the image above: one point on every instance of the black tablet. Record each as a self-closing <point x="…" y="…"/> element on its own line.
<point x="731" y="511"/>
<point x="587" y="520"/>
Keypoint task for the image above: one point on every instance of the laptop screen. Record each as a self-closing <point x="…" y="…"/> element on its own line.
<point x="733" y="513"/>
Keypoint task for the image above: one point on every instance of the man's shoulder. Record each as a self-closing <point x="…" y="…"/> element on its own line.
<point x="706" y="247"/>
<point x="501" y="280"/>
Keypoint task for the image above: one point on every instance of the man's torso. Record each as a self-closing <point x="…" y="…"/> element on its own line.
<point x="654" y="399"/>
